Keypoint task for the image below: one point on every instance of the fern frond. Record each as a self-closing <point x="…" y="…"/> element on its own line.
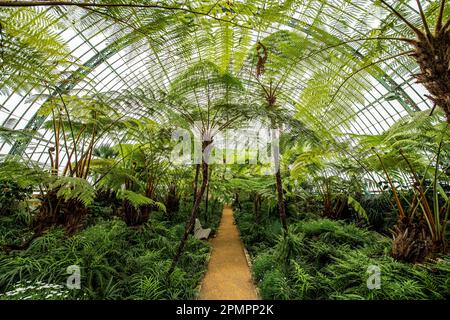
<point x="137" y="200"/>
<point x="72" y="188"/>
<point x="358" y="208"/>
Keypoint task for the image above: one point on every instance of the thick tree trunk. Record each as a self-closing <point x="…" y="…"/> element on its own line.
<point x="433" y="57"/>
<point x="190" y="225"/>
<point x="146" y="209"/>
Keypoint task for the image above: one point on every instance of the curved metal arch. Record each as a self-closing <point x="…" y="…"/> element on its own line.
<point x="98" y="59"/>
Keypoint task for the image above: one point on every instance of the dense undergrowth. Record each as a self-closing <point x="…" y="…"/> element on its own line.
<point x="330" y="259"/>
<point x="116" y="261"/>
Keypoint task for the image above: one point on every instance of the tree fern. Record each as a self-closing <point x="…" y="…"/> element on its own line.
<point x="72" y="188"/>
<point x="137" y="200"/>
<point x="358" y="208"/>
<point x="30" y="49"/>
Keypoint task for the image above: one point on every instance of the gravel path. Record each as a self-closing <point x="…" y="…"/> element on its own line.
<point x="228" y="276"/>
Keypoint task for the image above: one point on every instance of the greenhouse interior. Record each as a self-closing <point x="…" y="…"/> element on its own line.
<point x="224" y="150"/>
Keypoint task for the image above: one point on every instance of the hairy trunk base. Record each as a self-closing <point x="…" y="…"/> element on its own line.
<point x="327" y="207"/>
<point x="172" y="202"/>
<point x="70" y="214"/>
<point x="135" y="217"/>
<point x="433" y="57"/>
<point x="337" y="208"/>
<point x="412" y="242"/>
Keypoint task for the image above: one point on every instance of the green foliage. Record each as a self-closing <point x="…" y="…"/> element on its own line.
<point x="24" y="174"/>
<point x="288" y="247"/>
<point x="347" y="278"/>
<point x="147" y="288"/>
<point x="30" y="49"/>
<point x="241" y="78"/>
<point x="303" y="282"/>
<point x="72" y="188"/>
<point x="116" y="262"/>
<point x="336" y="232"/>
<point x="379" y="211"/>
<point x="326" y="259"/>
<point x="257" y="236"/>
<point x="137" y="200"/>
<point x="262" y="263"/>
<point x="358" y="208"/>
<point x="275" y="285"/>
<point x="11" y="195"/>
<point x="36" y="291"/>
<point x="15" y="228"/>
<point x="16" y="135"/>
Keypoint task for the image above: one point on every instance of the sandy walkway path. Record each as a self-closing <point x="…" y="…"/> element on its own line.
<point x="228" y="276"/>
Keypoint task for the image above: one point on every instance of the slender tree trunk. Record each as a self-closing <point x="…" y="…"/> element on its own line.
<point x="197" y="171"/>
<point x="279" y="185"/>
<point x="280" y="197"/>
<point x="207" y="193"/>
<point x="237" y="200"/>
<point x="257" y="208"/>
<point x="190" y="225"/>
<point x="327" y="202"/>
<point x="172" y="200"/>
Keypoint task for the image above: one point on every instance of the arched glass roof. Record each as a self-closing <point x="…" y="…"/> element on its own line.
<point x="114" y="51"/>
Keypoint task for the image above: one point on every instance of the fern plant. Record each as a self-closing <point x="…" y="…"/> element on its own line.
<point x="132" y="178"/>
<point x="30" y="49"/>
<point x="419" y="166"/>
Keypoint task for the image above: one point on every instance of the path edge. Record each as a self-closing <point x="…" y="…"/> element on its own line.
<point x="199" y="286"/>
<point x="248" y="259"/>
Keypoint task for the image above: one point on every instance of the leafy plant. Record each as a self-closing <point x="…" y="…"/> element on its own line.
<point x="11" y="196"/>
